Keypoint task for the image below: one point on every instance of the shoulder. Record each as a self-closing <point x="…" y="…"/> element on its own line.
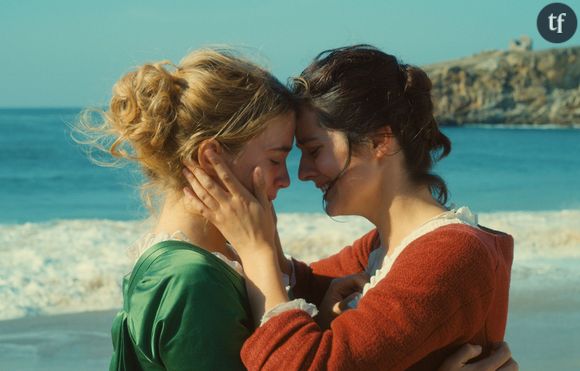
<point x="186" y="304"/>
<point x="368" y="242"/>
<point x="183" y="285"/>
<point x="461" y="238"/>
<point x="459" y="248"/>
<point x="185" y="262"/>
<point x="190" y="274"/>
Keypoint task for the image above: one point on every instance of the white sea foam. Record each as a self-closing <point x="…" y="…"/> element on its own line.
<point x="77" y="265"/>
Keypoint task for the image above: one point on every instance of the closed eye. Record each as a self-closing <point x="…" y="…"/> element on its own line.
<point x="314" y="151"/>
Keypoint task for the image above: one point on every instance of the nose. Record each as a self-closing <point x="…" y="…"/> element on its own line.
<point x="283" y="181"/>
<point x="305" y="169"/>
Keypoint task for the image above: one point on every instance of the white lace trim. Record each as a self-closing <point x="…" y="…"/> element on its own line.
<point x="380" y="264"/>
<point x="290" y="305"/>
<point x="150" y="239"/>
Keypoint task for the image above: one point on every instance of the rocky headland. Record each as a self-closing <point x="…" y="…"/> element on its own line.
<point x="516" y="86"/>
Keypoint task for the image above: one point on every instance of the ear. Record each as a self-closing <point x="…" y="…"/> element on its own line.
<point x="383" y="142"/>
<point x="206" y="145"/>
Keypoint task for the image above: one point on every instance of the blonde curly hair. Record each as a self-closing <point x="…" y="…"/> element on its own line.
<point x="160" y="113"/>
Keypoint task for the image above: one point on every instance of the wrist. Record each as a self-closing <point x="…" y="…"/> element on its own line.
<point x="263" y="282"/>
<point x="258" y="251"/>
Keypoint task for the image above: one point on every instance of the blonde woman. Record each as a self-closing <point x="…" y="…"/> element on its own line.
<point x="185" y="303"/>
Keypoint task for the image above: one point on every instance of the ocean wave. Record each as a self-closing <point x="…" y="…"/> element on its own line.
<point x="77" y="265"/>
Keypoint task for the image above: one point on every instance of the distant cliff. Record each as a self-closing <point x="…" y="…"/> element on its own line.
<point x="512" y="87"/>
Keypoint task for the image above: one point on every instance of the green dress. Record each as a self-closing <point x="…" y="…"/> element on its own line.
<point x="184" y="309"/>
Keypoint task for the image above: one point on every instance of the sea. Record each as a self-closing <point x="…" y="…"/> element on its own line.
<point x="65" y="224"/>
<point x="46" y="176"/>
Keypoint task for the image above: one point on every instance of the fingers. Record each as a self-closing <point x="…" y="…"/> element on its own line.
<point x="353" y="282"/>
<point x="260" y="186"/>
<point x="211" y="187"/>
<point x="360" y="279"/>
<point x="510" y="365"/>
<point x="499" y="356"/>
<point x="467" y="352"/>
<point x="343" y="305"/>
<point x="458" y="359"/>
<point x="199" y="191"/>
<point x="225" y="174"/>
<point x="194" y="203"/>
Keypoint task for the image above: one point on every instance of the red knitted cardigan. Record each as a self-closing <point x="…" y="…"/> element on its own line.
<point x="448" y="287"/>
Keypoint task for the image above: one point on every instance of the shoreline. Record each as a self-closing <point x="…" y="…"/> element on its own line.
<point x="62" y="281"/>
<point x="539" y="340"/>
<point x="57" y="220"/>
<point x="444" y="124"/>
<point x="77" y="265"/>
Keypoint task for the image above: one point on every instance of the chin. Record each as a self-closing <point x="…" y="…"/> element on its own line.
<point x="333" y="209"/>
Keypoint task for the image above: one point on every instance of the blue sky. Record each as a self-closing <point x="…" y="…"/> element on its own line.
<point x="69" y="53"/>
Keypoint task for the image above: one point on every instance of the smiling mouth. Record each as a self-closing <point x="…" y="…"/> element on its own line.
<point x="325" y="189"/>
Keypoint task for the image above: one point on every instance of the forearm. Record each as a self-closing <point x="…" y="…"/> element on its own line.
<point x="284" y="263"/>
<point x="263" y="281"/>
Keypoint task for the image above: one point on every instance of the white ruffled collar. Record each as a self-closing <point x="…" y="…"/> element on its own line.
<point x="150" y="239"/>
<point x="379" y="264"/>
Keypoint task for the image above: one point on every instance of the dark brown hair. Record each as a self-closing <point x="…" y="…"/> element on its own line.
<point x="359" y="89"/>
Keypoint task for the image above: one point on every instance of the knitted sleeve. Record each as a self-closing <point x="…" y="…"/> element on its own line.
<point x="437" y="293"/>
<point x="313" y="280"/>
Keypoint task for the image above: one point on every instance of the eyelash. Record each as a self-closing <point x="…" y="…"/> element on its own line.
<point x="275" y="162"/>
<point x="314" y="152"/>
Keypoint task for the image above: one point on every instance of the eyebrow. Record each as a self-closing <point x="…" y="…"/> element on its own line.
<point x="303" y="142"/>
<point x="285" y="149"/>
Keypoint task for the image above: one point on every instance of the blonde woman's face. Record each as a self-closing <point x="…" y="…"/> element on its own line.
<point x="268" y="151"/>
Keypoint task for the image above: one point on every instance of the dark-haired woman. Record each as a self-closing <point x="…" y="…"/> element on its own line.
<point x="437" y="279"/>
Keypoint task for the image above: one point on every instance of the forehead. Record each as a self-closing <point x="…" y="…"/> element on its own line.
<point x="279" y="132"/>
<point x="308" y="127"/>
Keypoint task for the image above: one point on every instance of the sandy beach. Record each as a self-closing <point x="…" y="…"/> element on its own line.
<point x="542" y="336"/>
<point x="57" y="310"/>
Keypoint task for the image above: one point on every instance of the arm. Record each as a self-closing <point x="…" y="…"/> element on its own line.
<point x="411" y="313"/>
<point x="500" y="359"/>
<point x="313" y="281"/>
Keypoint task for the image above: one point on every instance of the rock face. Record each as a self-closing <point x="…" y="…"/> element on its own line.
<point x="514" y="87"/>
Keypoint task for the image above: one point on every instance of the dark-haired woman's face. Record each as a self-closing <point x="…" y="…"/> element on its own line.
<point x="324" y="156"/>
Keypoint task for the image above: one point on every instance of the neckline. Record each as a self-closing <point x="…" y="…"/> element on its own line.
<point x="148" y="240"/>
<point x="186" y="245"/>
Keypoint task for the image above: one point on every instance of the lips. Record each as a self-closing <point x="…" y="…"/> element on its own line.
<point x="323" y="187"/>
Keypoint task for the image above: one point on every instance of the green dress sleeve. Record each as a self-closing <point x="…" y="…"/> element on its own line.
<point x="188" y="311"/>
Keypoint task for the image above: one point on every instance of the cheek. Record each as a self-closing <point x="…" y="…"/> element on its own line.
<point x="327" y="165"/>
<point x="244" y="174"/>
<point x="274" y="173"/>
